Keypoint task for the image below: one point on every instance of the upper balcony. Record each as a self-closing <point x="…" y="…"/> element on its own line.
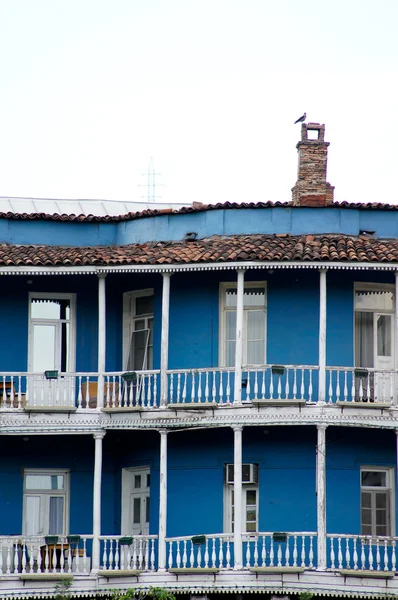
<point x="171" y="342"/>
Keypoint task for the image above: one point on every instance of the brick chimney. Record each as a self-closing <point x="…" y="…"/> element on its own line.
<point x="311" y="188"/>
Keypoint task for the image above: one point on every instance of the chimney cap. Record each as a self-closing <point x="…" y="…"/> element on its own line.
<point x="318" y="128"/>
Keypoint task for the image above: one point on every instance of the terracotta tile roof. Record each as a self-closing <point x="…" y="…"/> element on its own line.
<point x="209" y="250"/>
<point x="197" y="207"/>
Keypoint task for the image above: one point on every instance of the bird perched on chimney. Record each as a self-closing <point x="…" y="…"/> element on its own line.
<point x="301" y="119"/>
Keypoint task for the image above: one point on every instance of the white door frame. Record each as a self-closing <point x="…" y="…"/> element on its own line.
<point x="128" y="475"/>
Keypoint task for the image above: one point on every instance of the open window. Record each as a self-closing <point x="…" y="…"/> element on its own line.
<point x="138" y="330"/>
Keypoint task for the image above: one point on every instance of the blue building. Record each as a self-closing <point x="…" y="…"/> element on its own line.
<point x="202" y="399"/>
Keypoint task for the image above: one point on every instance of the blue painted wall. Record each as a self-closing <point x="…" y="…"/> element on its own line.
<point x="296" y="221"/>
<point x="196" y="459"/>
<point x="292" y="316"/>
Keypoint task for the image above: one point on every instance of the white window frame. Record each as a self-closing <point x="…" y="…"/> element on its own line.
<point x="223" y="309"/>
<point x="72" y="324"/>
<point x="61" y="493"/>
<point x="246" y="487"/>
<point x="128" y="319"/>
<point x="381" y="287"/>
<point x="390" y="478"/>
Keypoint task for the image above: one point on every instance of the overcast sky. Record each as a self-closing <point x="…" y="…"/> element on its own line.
<point x="91" y="89"/>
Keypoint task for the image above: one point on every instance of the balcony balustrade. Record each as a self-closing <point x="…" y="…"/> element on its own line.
<point x="267" y="550"/>
<point x="42" y="555"/>
<point x="197" y="387"/>
<point x="128" y="553"/>
<point x="350" y="384"/>
<point x="360" y="552"/>
<point x="210" y="551"/>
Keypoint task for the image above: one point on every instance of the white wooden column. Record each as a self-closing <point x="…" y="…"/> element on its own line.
<point x="101" y="338"/>
<point x="321" y="495"/>
<point x="238" y="562"/>
<point x="164" y="344"/>
<point x="239" y="337"/>
<point x="98" y="437"/>
<point x="162" y="501"/>
<point x="322" y="337"/>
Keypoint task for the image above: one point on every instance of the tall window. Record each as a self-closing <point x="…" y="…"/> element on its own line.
<point x="138" y="330"/>
<point x="51" y="332"/>
<point x="376" y="501"/>
<point x="46" y="500"/>
<point x="254" y="323"/>
<point x="374" y="331"/>
<point x="249" y="498"/>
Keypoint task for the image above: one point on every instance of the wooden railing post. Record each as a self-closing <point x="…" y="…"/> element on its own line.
<point x="321" y="495"/>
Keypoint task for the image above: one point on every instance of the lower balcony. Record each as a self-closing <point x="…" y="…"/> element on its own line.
<point x="210" y="387"/>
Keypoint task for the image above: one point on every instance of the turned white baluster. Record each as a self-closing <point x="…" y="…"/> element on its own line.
<point x="287" y="552"/>
<point x="263" y="552"/>
<point x="337" y="386"/>
<point x="271" y="553"/>
<point x="279" y="386"/>
<point x="221" y="554"/>
<point x="363" y="557"/>
<point x="221" y="387"/>
<point x="248" y="388"/>
<point x="303" y="551"/>
<point x="385" y="556"/>
<point x="294" y="383"/>
<point x="191" y="557"/>
<point x="393" y="557"/>
<point x="255" y="389"/>
<point x="248" y="554"/>
<point x="206" y="557"/>
<point x="352" y="386"/>
<point x="355" y="555"/>
<point x="310" y="386"/>
<point x="207" y="387"/>
<point x="332" y="554"/>
<point x="339" y="553"/>
<point x="287" y="386"/>
<point x="311" y="552"/>
<point x="213" y="553"/>
<point x="228" y="387"/>
<point x="370" y="556"/>
<point x="345" y="387"/>
<point x="178" y="386"/>
<point x="184" y="389"/>
<point x="347" y="554"/>
<point x="302" y="388"/>
<point x="256" y="552"/>
<point x="200" y="386"/>
<point x="171" y="553"/>
<point x="378" y="554"/>
<point x="295" y="554"/>
<point x="330" y="389"/>
<point x="263" y="384"/>
<point x="213" y="388"/>
<point x="184" y="555"/>
<point x="228" y="554"/>
<point x="271" y="386"/>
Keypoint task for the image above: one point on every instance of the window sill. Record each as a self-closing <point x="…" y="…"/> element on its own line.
<point x="367" y="573"/>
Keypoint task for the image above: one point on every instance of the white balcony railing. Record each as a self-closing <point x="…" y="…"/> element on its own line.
<point x="201" y="551"/>
<point x="360" y="552"/>
<point x="268" y="382"/>
<point x="128" y="553"/>
<point x="78" y="390"/>
<point x="280" y="550"/>
<point x="350" y="384"/>
<point x="39" y="554"/>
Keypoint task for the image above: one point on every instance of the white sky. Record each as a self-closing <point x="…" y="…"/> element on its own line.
<point x="91" y="89"/>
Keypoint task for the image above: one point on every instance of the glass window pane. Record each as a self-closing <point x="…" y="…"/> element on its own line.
<point x="381" y="530"/>
<point x="148" y="480"/>
<point x="373" y="478"/>
<point x="255" y="353"/>
<point x="251" y="526"/>
<point x="230" y="325"/>
<point x="384" y="335"/>
<point x="251" y="497"/>
<point x="251" y="515"/>
<point x="137" y="481"/>
<point x="56" y="517"/>
<point x="254" y="297"/>
<point x="366" y="530"/>
<point x="46" y="308"/>
<point x="230" y="354"/>
<point x="366" y="500"/>
<point x="364" y="351"/>
<point x="255" y="325"/>
<point x="139" y="324"/>
<point x="137" y="510"/>
<point x="143" y="305"/>
<point x="43" y="481"/>
<point x="32" y="515"/>
<point x="147" y="510"/>
<point x="381" y="500"/>
<point x="381" y="517"/>
<point x="366" y="516"/>
<point x="44" y="348"/>
<point x="376" y="300"/>
<point x="230" y="297"/>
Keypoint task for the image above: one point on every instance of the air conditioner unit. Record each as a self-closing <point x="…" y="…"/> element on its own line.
<point x="249" y="473"/>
